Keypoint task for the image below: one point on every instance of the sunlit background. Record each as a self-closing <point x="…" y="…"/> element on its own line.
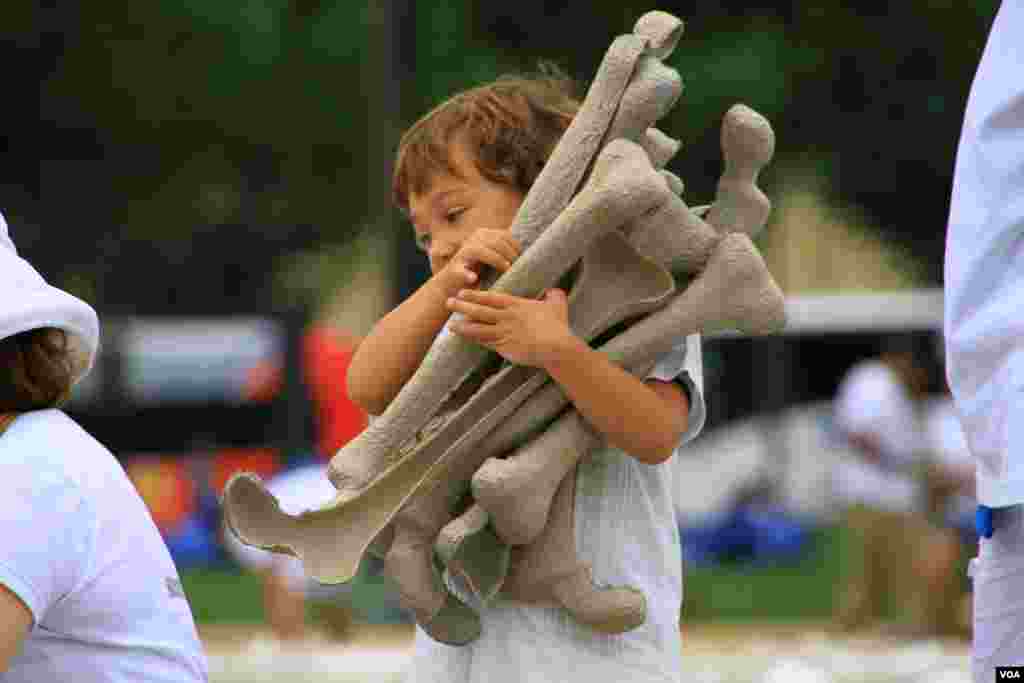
<point x="213" y="176"/>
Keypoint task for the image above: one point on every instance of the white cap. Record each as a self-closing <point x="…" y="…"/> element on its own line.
<point x="873" y="401"/>
<point x="27" y="302"/>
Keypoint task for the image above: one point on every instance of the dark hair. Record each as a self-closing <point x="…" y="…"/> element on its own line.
<point x="35" y="370"/>
<point x="511" y="125"/>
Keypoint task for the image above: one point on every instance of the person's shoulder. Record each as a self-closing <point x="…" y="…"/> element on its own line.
<point x="55" y="447"/>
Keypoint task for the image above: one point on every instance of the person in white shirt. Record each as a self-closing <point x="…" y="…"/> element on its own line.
<point x="898" y="554"/>
<point x="984" y="332"/>
<point x="88" y="591"/>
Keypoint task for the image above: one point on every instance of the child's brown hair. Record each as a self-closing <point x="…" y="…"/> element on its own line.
<point x="511" y="126"/>
<point x="35" y="370"/>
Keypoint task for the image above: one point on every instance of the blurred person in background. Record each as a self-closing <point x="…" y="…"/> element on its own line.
<point x="984" y="333"/>
<point x="900" y="564"/>
<point x="88" y="591"/>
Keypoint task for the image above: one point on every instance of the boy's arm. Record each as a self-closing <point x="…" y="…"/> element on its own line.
<point x="389" y="355"/>
<point x="645" y="419"/>
<point x="17" y="621"/>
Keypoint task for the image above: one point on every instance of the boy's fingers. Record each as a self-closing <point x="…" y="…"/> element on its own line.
<point x="488" y="256"/>
<point x="479" y="332"/>
<point x="487" y="298"/>
<point x="475" y="312"/>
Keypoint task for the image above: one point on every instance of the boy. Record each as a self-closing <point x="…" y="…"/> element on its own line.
<point x="461" y="174"/>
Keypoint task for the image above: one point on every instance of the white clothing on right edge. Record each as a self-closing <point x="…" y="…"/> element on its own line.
<point x="626" y="530"/>
<point x="984" y="272"/>
<point x="83" y="554"/>
<point x="984" y="329"/>
<point x="998" y="577"/>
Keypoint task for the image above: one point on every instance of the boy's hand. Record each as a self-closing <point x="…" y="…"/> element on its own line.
<point x="524" y="331"/>
<point x="494" y="248"/>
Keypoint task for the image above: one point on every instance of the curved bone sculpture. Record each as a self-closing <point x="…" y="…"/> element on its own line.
<point x="637" y="244"/>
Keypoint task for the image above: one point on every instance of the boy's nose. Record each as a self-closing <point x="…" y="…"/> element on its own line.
<point x="441" y="251"/>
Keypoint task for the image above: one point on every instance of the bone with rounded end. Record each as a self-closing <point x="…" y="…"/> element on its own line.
<point x="410" y="559"/>
<point x="661" y="30"/>
<point x="674" y="237"/>
<point x="549" y="572"/>
<point x="650" y="95"/>
<point x="735" y="291"/>
<point x="660" y="147"/>
<point x="748" y="143"/>
<point x="473" y="554"/>
<point x="517" y="491"/>
<point x="565" y="169"/>
<point x="674" y="182"/>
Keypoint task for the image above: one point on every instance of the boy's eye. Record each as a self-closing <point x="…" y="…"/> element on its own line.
<point x="452" y="214"/>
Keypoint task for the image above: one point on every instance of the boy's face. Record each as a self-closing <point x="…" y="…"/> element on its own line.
<point x="454" y="206"/>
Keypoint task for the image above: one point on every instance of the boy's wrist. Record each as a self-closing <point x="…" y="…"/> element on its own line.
<point x="567" y="350"/>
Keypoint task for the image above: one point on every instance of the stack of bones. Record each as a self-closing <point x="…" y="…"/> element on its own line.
<point x="645" y="270"/>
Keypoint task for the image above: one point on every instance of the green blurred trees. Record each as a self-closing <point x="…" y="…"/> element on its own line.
<point x="166" y="154"/>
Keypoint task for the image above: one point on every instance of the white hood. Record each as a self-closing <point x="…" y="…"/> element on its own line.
<point x="27" y="302"/>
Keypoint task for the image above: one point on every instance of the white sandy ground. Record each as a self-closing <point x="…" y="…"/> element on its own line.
<point x="712" y="654"/>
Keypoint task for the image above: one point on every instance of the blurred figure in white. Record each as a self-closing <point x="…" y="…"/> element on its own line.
<point x="899" y="563"/>
<point x="984" y="331"/>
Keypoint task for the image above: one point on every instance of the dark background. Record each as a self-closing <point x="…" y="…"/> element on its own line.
<point x="166" y="156"/>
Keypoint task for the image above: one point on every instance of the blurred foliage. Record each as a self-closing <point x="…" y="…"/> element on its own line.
<point x="175" y="153"/>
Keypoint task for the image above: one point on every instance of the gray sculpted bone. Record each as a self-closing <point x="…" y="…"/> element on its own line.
<point x="600" y="203"/>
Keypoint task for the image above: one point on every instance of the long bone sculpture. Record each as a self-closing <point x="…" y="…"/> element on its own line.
<point x="331" y="540"/>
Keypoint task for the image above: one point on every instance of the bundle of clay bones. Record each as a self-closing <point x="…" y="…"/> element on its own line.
<point x="648" y="271"/>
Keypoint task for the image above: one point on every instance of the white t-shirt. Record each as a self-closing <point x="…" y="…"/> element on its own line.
<point x="626" y="530"/>
<point x="984" y="270"/>
<point x="872" y="400"/>
<point x="80" y="549"/>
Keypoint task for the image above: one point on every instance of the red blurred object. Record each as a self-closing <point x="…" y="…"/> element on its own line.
<point x="266" y="462"/>
<point x="166" y="487"/>
<point x="326" y="355"/>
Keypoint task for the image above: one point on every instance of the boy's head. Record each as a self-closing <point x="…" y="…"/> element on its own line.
<point x="508" y="127"/>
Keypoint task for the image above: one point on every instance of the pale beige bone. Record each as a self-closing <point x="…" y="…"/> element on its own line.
<point x="549" y="572"/>
<point x="650" y="95"/>
<point x="615" y="283"/>
<point x="660" y="147"/>
<point x="661" y="31"/>
<point x="674" y="237"/>
<point x="674" y="182"/>
<point x="748" y="143"/>
<point x="735" y="286"/>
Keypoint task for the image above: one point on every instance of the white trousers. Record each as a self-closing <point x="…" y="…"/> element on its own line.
<point x="998" y="574"/>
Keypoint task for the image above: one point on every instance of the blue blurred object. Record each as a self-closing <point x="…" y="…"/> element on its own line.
<point x="755" y="533"/>
<point x="194" y="544"/>
<point x="983" y="521"/>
